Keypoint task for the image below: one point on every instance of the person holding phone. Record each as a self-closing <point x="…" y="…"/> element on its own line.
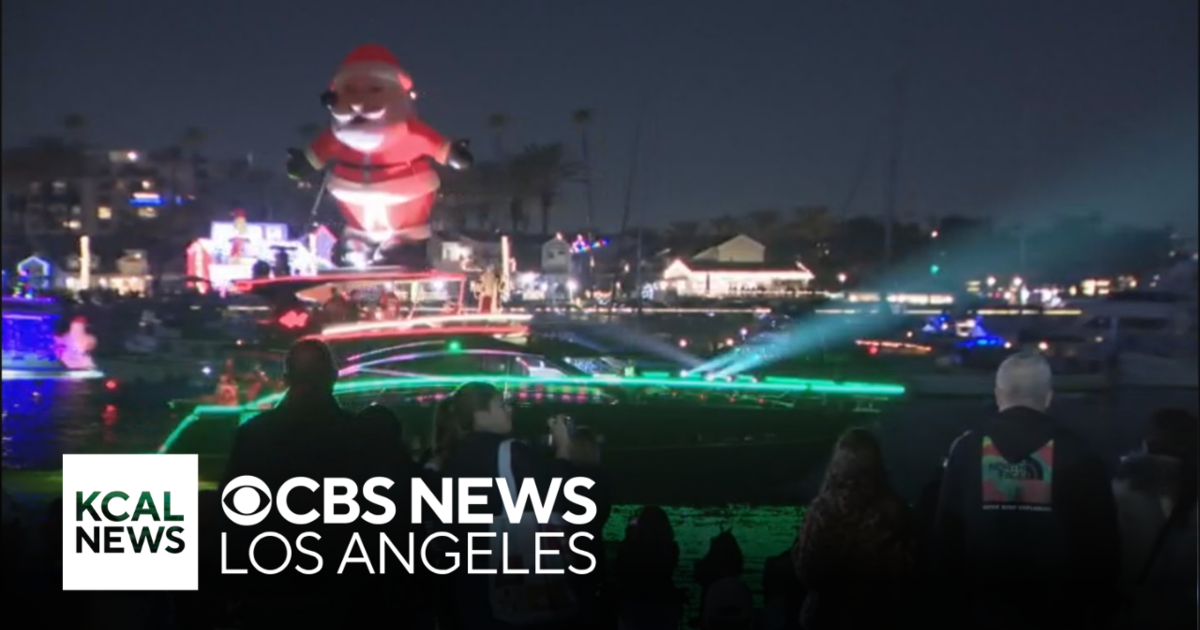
<point x="472" y="433"/>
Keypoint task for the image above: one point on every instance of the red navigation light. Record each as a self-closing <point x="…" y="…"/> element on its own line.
<point x="294" y="320"/>
<point x="426" y="332"/>
<point x="110" y="385"/>
<point x="873" y="350"/>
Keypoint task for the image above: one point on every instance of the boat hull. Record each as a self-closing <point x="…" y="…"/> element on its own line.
<point x="700" y="455"/>
<point x="952" y="385"/>
<point x="1149" y="371"/>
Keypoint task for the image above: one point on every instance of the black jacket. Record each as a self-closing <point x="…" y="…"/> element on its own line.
<point x="1027" y="526"/>
<point x="317" y="439"/>
<point x="477" y="455"/>
<point x="1145" y="488"/>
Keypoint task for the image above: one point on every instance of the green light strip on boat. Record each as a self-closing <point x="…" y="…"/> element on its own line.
<point x="770" y="385"/>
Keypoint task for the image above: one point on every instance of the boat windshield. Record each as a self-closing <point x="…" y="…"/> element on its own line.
<point x="453" y="356"/>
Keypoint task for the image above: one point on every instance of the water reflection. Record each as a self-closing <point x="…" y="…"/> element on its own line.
<point x="44" y="419"/>
<point x="31" y="434"/>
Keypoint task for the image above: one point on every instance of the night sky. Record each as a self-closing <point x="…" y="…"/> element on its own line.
<point x="1020" y="109"/>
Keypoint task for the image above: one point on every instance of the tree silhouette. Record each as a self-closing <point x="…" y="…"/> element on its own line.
<point x="583" y="119"/>
<point x="726" y="225"/>
<point x="497" y="124"/>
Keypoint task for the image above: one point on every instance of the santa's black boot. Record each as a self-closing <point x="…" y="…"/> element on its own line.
<point x="410" y="255"/>
<point x="358" y="253"/>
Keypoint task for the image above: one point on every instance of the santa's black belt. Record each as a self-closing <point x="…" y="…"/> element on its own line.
<point x="375" y="167"/>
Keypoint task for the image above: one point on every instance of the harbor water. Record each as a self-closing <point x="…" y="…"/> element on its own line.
<point x="45" y="419"/>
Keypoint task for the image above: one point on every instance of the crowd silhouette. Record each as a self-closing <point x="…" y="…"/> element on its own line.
<point x="1022" y="526"/>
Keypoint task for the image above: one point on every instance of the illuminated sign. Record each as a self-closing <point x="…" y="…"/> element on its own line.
<point x="146" y="199"/>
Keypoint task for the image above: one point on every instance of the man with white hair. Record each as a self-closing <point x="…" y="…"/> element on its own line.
<point x="1026" y="524"/>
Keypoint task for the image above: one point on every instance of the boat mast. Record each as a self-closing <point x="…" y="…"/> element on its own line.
<point x="629" y="182"/>
<point x="893" y="176"/>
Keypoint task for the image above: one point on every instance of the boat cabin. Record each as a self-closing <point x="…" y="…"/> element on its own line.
<point x="303" y="305"/>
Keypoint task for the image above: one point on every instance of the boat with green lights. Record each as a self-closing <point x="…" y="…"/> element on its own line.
<point x="664" y="433"/>
<point x="667" y="429"/>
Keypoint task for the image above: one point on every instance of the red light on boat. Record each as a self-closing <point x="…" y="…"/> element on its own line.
<point x="294" y="320"/>
<point x="110" y="385"/>
<point x="425" y="332"/>
<point x="873" y="350"/>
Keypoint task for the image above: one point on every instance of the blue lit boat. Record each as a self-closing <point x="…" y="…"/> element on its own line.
<point x="33" y="350"/>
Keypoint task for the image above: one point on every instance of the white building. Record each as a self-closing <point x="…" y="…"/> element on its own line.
<point x="736" y="267"/>
<point x="556" y="257"/>
<point x="465" y="252"/>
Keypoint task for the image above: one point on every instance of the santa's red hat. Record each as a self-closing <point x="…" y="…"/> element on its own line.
<point x="374" y="60"/>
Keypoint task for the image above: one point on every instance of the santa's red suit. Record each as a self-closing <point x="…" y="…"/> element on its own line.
<point x="379" y="150"/>
<point x="239" y="244"/>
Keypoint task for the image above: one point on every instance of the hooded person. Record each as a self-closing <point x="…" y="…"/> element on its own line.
<point x="1026" y="525"/>
<point x="379" y="152"/>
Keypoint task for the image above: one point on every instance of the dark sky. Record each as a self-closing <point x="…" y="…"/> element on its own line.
<point x="1016" y="108"/>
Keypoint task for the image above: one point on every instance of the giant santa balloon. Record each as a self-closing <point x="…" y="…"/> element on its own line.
<point x="378" y="152"/>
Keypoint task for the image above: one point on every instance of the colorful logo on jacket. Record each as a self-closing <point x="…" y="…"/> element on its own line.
<point x="1026" y="484"/>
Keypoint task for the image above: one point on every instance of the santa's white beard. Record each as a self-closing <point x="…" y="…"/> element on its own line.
<point x="361" y="137"/>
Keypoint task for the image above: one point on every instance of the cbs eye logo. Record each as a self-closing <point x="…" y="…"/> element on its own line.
<point x="246" y="500"/>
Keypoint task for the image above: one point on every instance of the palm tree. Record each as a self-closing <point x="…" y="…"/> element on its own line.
<point x="538" y="172"/>
<point x="764" y="222"/>
<point x="75" y="125"/>
<point x="520" y="183"/>
<point x="683" y="231"/>
<point x="193" y="138"/>
<point x="518" y="218"/>
<point x="498" y="123"/>
<point x="725" y="225"/>
<point x="583" y="118"/>
<point x="470" y="196"/>
<point x="178" y="156"/>
<point x="813" y="223"/>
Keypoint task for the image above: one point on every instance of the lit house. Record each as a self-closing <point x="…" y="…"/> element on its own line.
<point x="465" y="251"/>
<point x="734" y="267"/>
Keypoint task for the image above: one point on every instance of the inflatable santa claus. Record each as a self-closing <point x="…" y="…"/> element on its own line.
<point x="74" y="348"/>
<point x="378" y="153"/>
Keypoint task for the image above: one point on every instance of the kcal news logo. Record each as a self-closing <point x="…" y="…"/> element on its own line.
<point x="130" y="522"/>
<point x="536" y="532"/>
